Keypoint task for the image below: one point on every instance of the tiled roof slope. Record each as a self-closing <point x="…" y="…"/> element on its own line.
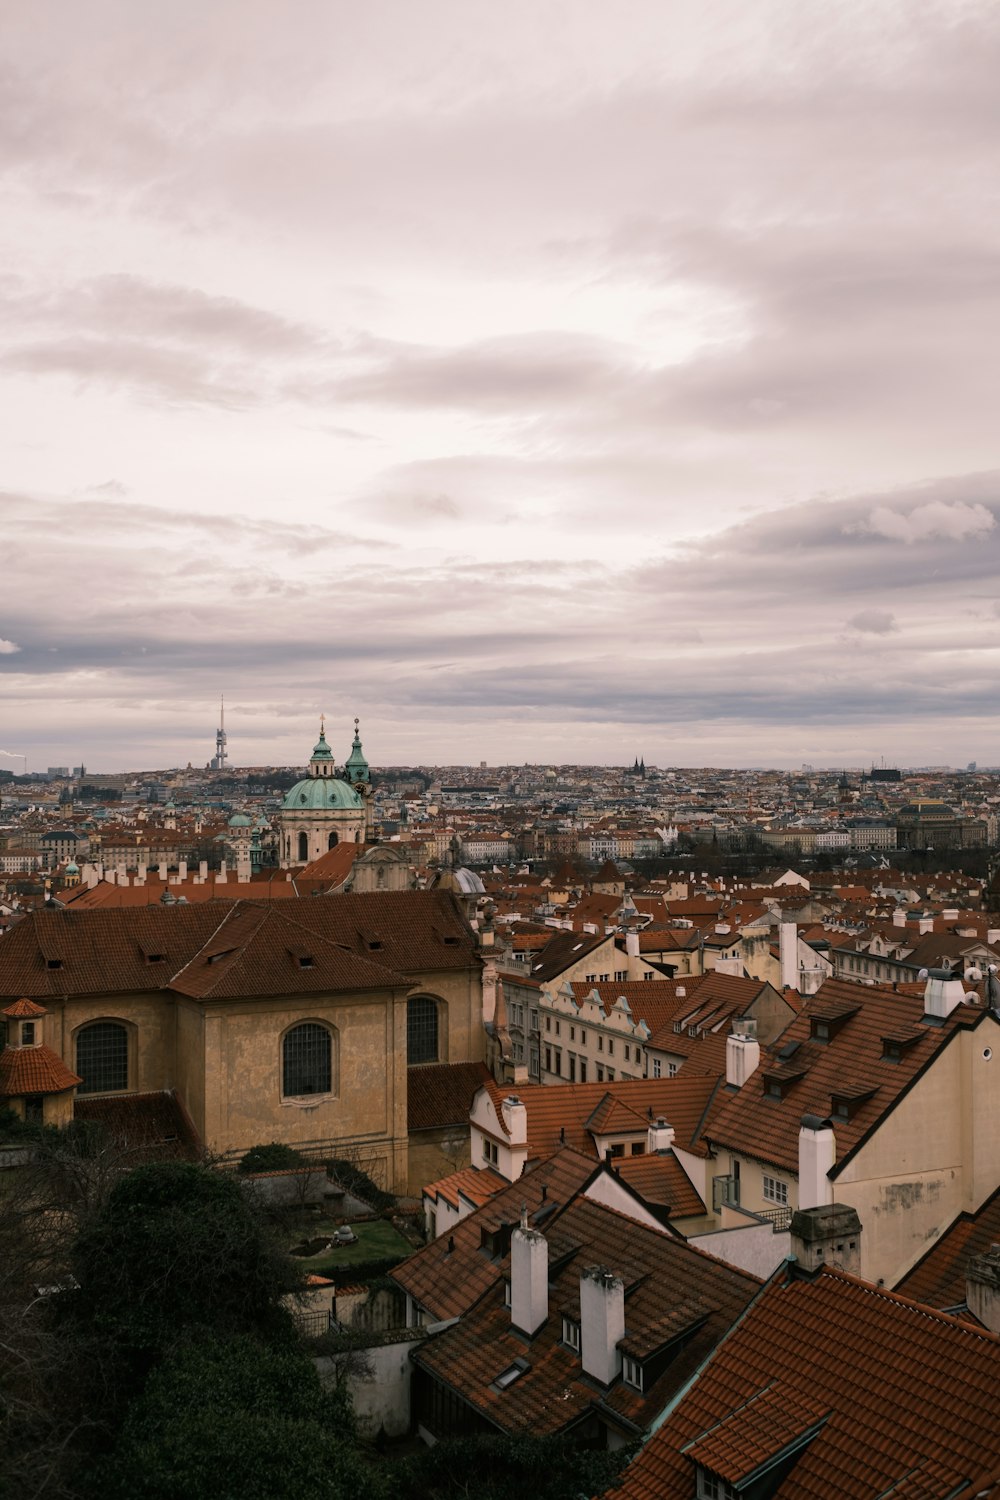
<point x="442" y="1093"/>
<point x="565" y="949"/>
<point x="660" y="1180"/>
<point x="447" y="1281"/>
<point x="23" y="1010"/>
<point x="669" y="1285"/>
<point x="939" y="1278"/>
<point x="852" y="1060"/>
<point x="908" y="1399"/>
<point x="147" y="1127"/>
<point x="561" y="1114"/>
<point x="33" y="1070"/>
<point x="476" y="1185"/>
<point x="365" y="941"/>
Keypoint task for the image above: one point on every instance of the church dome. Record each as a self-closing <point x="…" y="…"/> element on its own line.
<point x="321" y="793"/>
<point x="240" y="820"/>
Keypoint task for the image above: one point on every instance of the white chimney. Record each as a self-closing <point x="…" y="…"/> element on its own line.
<point x="817" y="1154"/>
<point x="722" y="928"/>
<point x="602" y="1323"/>
<point x="220" y="879"/>
<point x="788" y="945"/>
<point x="942" y="993"/>
<point x="182" y="871"/>
<point x="659" y="1136"/>
<point x="949" y="914"/>
<point x="529" y="1279"/>
<point x="926" y="924"/>
<point x="202" y="871"/>
<point x="515" y="1117"/>
<point x="243" y="871"/>
<point x="742" y="1057"/>
<point x="992" y="936"/>
<point x="899" y="917"/>
<point x="632" y="944"/>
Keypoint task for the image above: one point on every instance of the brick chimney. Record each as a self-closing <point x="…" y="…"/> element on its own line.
<point x="602" y="1323"/>
<point x="529" y="1279"/>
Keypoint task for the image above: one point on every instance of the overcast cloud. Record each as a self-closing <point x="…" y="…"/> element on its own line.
<point x="537" y="382"/>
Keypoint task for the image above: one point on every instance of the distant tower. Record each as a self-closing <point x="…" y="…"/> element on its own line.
<point x="219" y="762"/>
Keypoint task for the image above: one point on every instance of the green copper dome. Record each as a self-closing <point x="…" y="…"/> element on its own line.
<point x="240" y="820"/>
<point x="319" y="793"/>
<point x="321" y="750"/>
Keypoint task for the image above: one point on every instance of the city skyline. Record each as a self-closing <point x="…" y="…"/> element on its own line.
<point x="535" y="384"/>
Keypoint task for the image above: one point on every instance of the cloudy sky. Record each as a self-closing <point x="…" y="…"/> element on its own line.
<point x="546" y="380"/>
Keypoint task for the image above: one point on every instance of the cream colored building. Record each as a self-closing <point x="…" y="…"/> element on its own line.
<point x="295" y="1021"/>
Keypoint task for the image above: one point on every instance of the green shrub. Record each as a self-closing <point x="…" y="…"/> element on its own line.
<point x="274" y="1157"/>
<point x="353" y="1180"/>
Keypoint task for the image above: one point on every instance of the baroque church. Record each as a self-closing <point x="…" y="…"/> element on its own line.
<point x="301" y="1021"/>
<point x="325" y="809"/>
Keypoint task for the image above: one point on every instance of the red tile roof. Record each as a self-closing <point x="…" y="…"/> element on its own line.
<point x="451" y="1273"/>
<point x="850" y="1062"/>
<point x="356" y="942"/>
<point x="662" y="1275"/>
<point x="33" y="1070"/>
<point x="146" y="1127"/>
<point x="22" y="1009"/>
<point x="659" y="1179"/>
<point x="442" y="1093"/>
<point x="561" y="1114"/>
<point x="476" y="1185"/>
<point x="939" y="1277"/>
<point x="905" y="1400"/>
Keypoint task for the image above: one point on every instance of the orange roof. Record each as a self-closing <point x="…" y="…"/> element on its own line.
<point x="850" y="1064"/>
<point x="561" y="1114"/>
<point x="22" y="1009"/>
<point x="477" y="1185"/>
<point x="33" y="1070"/>
<point x="884" y="1395"/>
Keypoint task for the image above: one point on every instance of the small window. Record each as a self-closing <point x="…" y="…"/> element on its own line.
<point x="600" y="1044"/>
<point x="627" y="1053"/>
<point x="711" y="1487"/>
<point x="632" y="1372"/>
<point x="571" y="1333"/>
<point x="775" y="1191"/>
<point x="583" y="1038"/>
<point x="491" y="1152"/>
<point x="548" y="1023"/>
<point x="27" y="1033"/>
<point x="618" y="1149"/>
<point x="572" y="1033"/>
<point x="657" y="1067"/>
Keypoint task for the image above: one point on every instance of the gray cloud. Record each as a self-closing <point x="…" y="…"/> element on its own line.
<point x="873" y="622"/>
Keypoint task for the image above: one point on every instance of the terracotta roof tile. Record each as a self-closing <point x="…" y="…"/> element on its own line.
<point x="768" y="1128"/>
<point x="33" y="1070"/>
<point x="447" y="1281"/>
<point x="939" y="1277"/>
<point x="23" y="1009"/>
<point x="442" y="1093"/>
<point x="659" y="1272"/>
<point x="148" y="1127"/>
<point x="905" y="1400"/>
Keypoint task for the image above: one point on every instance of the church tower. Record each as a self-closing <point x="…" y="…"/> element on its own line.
<point x="323" y="810"/>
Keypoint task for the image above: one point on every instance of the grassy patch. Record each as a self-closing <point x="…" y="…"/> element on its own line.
<point x="376" y="1241"/>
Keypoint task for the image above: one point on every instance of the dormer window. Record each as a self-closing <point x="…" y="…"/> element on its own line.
<point x="571" y="1334"/>
<point x="819" y="1031"/>
<point x="712" y="1487"/>
<point x="53" y="963"/>
<point x="632" y="1372"/>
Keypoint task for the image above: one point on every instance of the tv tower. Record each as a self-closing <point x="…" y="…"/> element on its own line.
<point x="219" y="762"/>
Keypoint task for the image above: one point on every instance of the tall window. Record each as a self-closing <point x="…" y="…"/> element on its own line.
<point x="102" y="1057"/>
<point x="421" y="1030"/>
<point x="307" y="1060"/>
<point x="331" y="841"/>
<point x="304" y="847"/>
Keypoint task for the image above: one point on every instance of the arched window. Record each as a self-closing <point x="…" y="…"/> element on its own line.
<point x="331" y="841"/>
<point x="307" y="1060"/>
<point x="102" y="1057"/>
<point x="421" y="1030"/>
<point x="304" y="847"/>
